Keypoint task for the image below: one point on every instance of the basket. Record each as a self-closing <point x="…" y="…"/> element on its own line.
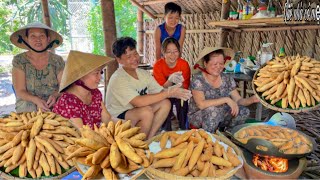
<point x="82" y="171"/>
<point x="4" y="175"/>
<point x="153" y="173"/>
<point x="273" y="107"/>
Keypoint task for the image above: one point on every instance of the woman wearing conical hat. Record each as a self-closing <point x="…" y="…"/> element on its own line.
<point x="216" y="101"/>
<point x="36" y="73"/>
<point x="81" y="100"/>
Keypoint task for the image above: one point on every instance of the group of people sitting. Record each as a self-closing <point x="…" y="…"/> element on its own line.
<point x="42" y="80"/>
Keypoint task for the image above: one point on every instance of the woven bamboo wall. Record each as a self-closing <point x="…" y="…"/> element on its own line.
<point x="303" y="42"/>
<point x="194" y="42"/>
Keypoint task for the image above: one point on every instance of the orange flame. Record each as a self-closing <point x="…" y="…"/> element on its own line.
<point x="271" y="164"/>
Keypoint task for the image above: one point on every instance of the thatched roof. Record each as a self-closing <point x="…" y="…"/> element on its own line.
<point x="156" y="7"/>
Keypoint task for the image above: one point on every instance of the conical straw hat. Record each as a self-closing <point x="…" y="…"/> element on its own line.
<point x="208" y="50"/>
<point x="22" y="32"/>
<point x="80" y="64"/>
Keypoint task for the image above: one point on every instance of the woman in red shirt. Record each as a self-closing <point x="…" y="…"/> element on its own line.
<point x="172" y="70"/>
<point x="81" y="100"/>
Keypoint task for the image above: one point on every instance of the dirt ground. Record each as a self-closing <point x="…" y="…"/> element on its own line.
<point x="7" y="96"/>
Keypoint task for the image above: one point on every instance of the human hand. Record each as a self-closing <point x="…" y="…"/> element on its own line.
<point x="234" y="107"/>
<point x="176" y="77"/>
<point x="254" y="99"/>
<point x="51" y="100"/>
<point x="42" y="104"/>
<point x="177" y="92"/>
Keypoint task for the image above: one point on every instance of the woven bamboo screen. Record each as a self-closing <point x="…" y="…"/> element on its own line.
<point x="194" y="41"/>
<point x="187" y="6"/>
<point x="303" y="42"/>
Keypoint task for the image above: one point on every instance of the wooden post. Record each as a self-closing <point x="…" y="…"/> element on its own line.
<point x="109" y="25"/>
<point x="46" y="16"/>
<point x="225" y="9"/>
<point x="140" y="31"/>
<point x="224" y="15"/>
<point x="223" y="38"/>
<point x="110" y="35"/>
<point x="45" y="12"/>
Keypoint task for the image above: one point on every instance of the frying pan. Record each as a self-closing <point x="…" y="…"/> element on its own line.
<point x="268" y="148"/>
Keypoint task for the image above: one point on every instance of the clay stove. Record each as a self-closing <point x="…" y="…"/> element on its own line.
<point x="290" y="169"/>
<point x="270" y="163"/>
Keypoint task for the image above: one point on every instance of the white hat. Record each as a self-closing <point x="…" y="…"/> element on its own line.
<point x="208" y="50"/>
<point x="19" y="36"/>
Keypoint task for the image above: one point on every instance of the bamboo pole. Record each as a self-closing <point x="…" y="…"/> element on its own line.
<point x="309" y="27"/>
<point x="224" y="15"/>
<point x="162" y="15"/>
<point x="223" y="38"/>
<point x="110" y="35"/>
<point x="140" y="31"/>
<point x="255" y="22"/>
<point x="225" y="9"/>
<point x="143" y="9"/>
<point x="190" y="31"/>
<point x="157" y="2"/>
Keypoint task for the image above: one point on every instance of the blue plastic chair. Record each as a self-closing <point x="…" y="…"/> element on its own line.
<point x="13" y="90"/>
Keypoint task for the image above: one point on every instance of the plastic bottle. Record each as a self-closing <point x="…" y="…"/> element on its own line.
<point x="252" y="60"/>
<point x="262" y="3"/>
<point x="262" y="9"/>
<point x="248" y="9"/>
<point x="240" y="9"/>
<point x="271" y="9"/>
<point x="258" y="57"/>
<point x="266" y="53"/>
<point x="233" y="15"/>
<point x="272" y="12"/>
<point x="239" y="68"/>
<point x="282" y="53"/>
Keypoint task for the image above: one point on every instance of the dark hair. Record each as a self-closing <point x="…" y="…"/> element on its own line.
<point x="120" y="46"/>
<point x="172" y="8"/>
<point x="45" y="31"/>
<point x="168" y="41"/>
<point x="207" y="57"/>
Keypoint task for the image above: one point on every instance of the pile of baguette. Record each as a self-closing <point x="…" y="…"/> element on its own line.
<point x="194" y="154"/>
<point x="111" y="148"/>
<point x="294" y="79"/>
<point x="288" y="141"/>
<point x="36" y="142"/>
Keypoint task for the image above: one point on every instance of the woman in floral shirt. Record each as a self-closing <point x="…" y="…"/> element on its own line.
<point x="215" y="101"/>
<point x="81" y="100"/>
<point x="36" y="73"/>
